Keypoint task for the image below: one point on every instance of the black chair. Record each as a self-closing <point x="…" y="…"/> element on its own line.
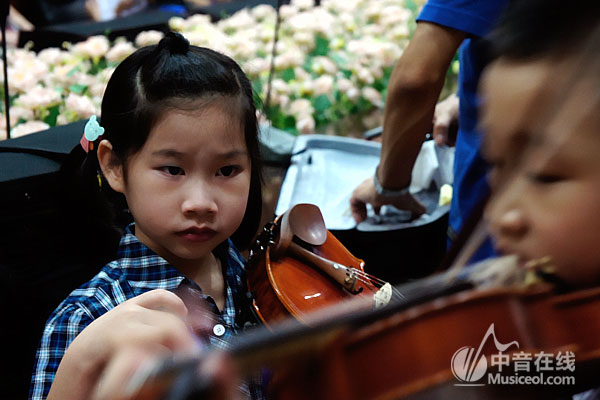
<point x="128" y="27"/>
<point x="156" y="18"/>
<point x="48" y="245"/>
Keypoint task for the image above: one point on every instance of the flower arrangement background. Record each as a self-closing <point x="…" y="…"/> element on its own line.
<point x="330" y="71"/>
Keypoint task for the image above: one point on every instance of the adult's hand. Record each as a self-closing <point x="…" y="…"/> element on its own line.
<point x="93" y="10"/>
<point x="445" y="117"/>
<point x="365" y="194"/>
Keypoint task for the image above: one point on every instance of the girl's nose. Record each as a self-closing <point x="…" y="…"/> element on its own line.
<point x="506" y="213"/>
<point x="511" y="223"/>
<point x="506" y="220"/>
<point x="199" y="200"/>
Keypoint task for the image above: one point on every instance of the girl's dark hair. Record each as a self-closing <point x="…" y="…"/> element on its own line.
<point x="534" y="28"/>
<point x="165" y="76"/>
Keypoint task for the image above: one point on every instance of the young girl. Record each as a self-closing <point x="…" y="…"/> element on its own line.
<point x="180" y="143"/>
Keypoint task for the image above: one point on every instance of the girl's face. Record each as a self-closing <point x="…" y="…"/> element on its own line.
<point x="544" y="146"/>
<point x="188" y="186"/>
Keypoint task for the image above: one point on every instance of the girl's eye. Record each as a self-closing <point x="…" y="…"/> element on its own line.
<point x="544" y="178"/>
<point x="227" y="170"/>
<point x="171" y="170"/>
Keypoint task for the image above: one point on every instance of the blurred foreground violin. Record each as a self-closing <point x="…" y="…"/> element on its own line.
<point x="434" y="339"/>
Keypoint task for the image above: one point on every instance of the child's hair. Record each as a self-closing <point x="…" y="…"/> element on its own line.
<point x="175" y="75"/>
<point x="537" y="28"/>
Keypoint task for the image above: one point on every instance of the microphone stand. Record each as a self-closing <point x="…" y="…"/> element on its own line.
<point x="4" y="8"/>
<point x="267" y="103"/>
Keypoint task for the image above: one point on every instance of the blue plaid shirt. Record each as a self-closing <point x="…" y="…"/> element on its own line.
<point x="136" y="270"/>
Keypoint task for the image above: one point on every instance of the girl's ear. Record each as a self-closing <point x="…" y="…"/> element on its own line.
<point x="111" y="166"/>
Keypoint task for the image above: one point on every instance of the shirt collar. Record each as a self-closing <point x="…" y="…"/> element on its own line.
<point x="146" y="270"/>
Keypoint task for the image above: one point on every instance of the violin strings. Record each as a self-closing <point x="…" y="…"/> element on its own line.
<point x="377" y="282"/>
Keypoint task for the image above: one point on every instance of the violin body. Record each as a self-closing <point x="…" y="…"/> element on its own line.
<point x="409" y="353"/>
<point x="288" y="287"/>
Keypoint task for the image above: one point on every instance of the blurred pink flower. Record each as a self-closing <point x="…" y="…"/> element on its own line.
<point x="81" y="105"/>
<point x="120" y="51"/>
<point x="373" y="96"/>
<point x="39" y="97"/>
<point x="323" y="85"/>
<point x="306" y="125"/>
<point x="53" y="56"/>
<point x="28" y="127"/>
<point x="148" y="38"/>
<point x="301" y="107"/>
<point x="93" y="47"/>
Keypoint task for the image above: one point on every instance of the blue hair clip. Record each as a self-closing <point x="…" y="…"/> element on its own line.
<point x="91" y="132"/>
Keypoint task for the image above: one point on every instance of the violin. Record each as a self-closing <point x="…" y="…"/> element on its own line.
<point x="404" y="349"/>
<point x="410" y="353"/>
<point x="297" y="267"/>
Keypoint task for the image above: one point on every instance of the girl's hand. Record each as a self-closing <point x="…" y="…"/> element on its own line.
<point x="103" y="357"/>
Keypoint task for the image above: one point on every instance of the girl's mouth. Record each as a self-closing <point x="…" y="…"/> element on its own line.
<point x="196" y="234"/>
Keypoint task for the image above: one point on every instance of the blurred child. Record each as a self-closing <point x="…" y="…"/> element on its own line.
<point x="542" y="123"/>
<point x="179" y="141"/>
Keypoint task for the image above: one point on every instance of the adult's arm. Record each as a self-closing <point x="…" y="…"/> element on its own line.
<point x="413" y="92"/>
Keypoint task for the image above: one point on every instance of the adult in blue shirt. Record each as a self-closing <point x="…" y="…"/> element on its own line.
<point x="443" y="27"/>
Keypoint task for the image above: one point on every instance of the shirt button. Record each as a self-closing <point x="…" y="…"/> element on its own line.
<point x="219" y="330"/>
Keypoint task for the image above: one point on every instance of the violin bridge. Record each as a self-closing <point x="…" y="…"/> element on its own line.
<point x="383" y="296"/>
